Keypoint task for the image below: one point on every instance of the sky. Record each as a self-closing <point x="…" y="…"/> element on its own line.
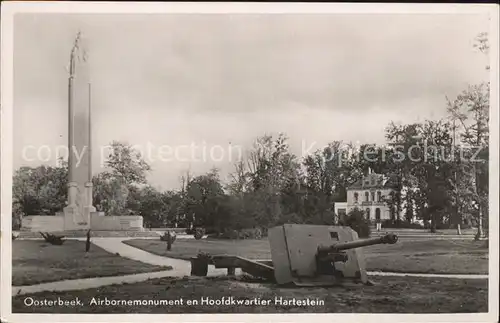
<point x="168" y="83"/>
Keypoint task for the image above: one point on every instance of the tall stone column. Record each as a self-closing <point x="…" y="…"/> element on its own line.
<point x="78" y="212"/>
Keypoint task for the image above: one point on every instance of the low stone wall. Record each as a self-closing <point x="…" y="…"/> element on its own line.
<point x="176" y="230"/>
<point x="96" y="234"/>
<point x="42" y="223"/>
<point x="116" y="223"/>
<point x="98" y="222"/>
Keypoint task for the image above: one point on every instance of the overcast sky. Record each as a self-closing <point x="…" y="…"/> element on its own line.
<point x="226" y="79"/>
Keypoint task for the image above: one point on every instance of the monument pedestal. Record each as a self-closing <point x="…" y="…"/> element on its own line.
<point x="74" y="219"/>
<point x="77" y="217"/>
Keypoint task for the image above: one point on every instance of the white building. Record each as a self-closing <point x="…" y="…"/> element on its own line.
<point x="368" y="194"/>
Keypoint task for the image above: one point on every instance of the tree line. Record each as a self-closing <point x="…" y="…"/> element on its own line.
<point x="440" y="171"/>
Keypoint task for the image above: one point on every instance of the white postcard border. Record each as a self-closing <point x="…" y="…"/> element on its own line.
<point x="9" y="9"/>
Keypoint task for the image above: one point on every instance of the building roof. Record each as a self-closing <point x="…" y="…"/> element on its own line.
<point x="379" y="182"/>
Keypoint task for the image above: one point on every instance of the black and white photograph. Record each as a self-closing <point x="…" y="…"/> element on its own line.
<point x="201" y="160"/>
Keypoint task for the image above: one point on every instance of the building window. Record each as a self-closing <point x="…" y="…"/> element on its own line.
<point x="377" y="213"/>
<point x="368" y="214"/>
<point x="356" y="196"/>
<point x="379" y="196"/>
<point x="373" y="196"/>
<point x="367" y="196"/>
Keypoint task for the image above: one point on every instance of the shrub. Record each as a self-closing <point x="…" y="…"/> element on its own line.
<point x="254" y="233"/>
<point x="230" y="234"/>
<point x="401" y="225"/>
<point x="357" y="221"/>
<point x="257" y="233"/>
<point x="199" y="233"/>
<point x="169" y="235"/>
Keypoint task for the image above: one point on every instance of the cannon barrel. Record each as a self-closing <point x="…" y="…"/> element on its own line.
<point x="389" y="238"/>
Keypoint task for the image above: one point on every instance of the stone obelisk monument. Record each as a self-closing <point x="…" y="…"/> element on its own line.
<point x="77" y="213"/>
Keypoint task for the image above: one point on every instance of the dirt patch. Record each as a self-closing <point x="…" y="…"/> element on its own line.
<point x="389" y="295"/>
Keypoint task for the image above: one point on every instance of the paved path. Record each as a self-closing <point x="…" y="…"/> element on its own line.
<point x="116" y="245"/>
<point x="180" y="267"/>
<point x="457" y="276"/>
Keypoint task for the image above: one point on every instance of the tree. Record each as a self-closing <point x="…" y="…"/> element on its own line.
<point x="356" y="220"/>
<point x="271" y="170"/>
<point x="125" y="168"/>
<point x="421" y="159"/>
<point x="469" y="113"/>
<point x="110" y="194"/>
<point x="438" y="168"/>
<point x="239" y="180"/>
<point x="174" y="208"/>
<point x="127" y="164"/>
<point x="154" y="206"/>
<point x="202" y="198"/>
<point x="399" y="165"/>
<point x="328" y="173"/>
<point x="471" y="109"/>
<point x="39" y="191"/>
<point x="182" y="208"/>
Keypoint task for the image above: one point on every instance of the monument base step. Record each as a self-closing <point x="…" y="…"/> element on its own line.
<point x="97" y="234"/>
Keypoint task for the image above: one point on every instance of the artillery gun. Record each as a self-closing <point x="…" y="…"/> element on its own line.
<point x="307" y="255"/>
<point x="328" y="256"/>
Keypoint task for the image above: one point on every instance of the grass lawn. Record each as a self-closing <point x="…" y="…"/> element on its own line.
<point x="389" y="295"/>
<point x="430" y="256"/>
<point x="467" y="231"/>
<point x="35" y="261"/>
<point x="425" y="256"/>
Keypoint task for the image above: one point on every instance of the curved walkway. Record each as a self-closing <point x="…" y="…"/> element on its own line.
<point x="86" y="283"/>
<point x="181" y="268"/>
<point x="116" y="245"/>
<point x="456" y="276"/>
